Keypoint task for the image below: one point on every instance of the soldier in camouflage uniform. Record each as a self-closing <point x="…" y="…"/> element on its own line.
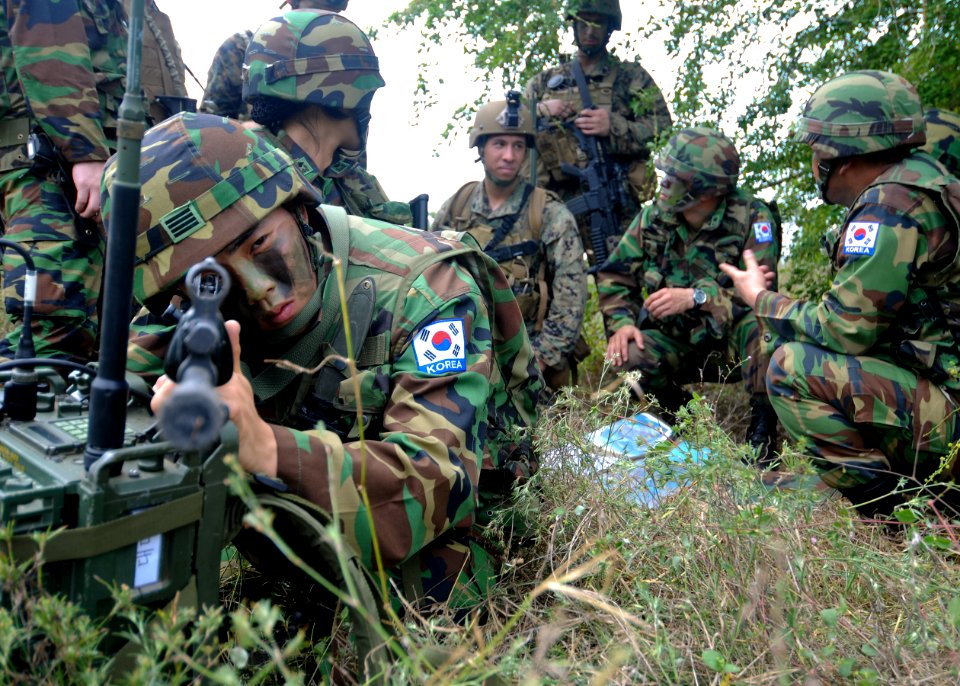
<point x="867" y="379"/>
<point x="529" y="232"/>
<point x="310" y="77"/>
<point x="62" y="67"/>
<point x="224" y="92"/>
<point x="670" y="312"/>
<point x="447" y="376"/>
<point x="943" y="138"/>
<point x="629" y="116"/>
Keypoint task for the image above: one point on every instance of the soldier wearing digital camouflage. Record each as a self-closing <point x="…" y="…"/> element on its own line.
<point x="529" y="232"/>
<point x="671" y="313"/>
<point x="867" y="378"/>
<point x="447" y="378"/>
<point x="629" y="116"/>
<point x="943" y="138"/>
<point x="310" y="77"/>
<point x="224" y="91"/>
<point x="62" y="67"/>
<point x="162" y="71"/>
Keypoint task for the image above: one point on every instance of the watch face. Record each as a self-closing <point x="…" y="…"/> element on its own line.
<point x="699" y="297"/>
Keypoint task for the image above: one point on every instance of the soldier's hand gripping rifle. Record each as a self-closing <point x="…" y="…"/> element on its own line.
<point x="603" y="184"/>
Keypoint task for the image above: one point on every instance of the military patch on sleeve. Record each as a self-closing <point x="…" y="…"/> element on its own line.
<point x="763" y="232"/>
<point x="860" y="238"/>
<point x="441" y="347"/>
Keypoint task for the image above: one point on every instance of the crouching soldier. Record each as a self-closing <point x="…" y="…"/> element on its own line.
<point x="670" y="312"/>
<point x="866" y="379"/>
<point x="413" y="462"/>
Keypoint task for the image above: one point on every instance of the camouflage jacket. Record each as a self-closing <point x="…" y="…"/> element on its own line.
<point x="638" y="115"/>
<point x="896" y="291"/>
<point x="345" y="183"/>
<point x="553" y="269"/>
<point x="659" y="250"/>
<point x="62" y="66"/>
<point x="224" y="93"/>
<point x="446" y="378"/>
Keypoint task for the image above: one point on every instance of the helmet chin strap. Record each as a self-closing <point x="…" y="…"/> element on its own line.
<point x="825" y="169"/>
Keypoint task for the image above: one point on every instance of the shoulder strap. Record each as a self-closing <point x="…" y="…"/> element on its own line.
<point x="457" y="209"/>
<point x="337" y="223"/>
<point x="538" y="201"/>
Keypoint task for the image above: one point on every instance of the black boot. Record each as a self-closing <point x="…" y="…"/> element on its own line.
<point x="877" y="498"/>
<point x="762" y="433"/>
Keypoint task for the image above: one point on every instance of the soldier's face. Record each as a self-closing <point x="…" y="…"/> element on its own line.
<point x="590" y="31"/>
<point x="273" y="275"/>
<point x="502" y="157"/>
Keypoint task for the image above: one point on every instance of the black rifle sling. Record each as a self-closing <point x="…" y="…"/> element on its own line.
<point x="507" y="223"/>
<point x="581" y="80"/>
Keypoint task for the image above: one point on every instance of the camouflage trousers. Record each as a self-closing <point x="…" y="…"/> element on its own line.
<point x="36" y="215"/>
<point x="860" y="417"/>
<point x="667" y="361"/>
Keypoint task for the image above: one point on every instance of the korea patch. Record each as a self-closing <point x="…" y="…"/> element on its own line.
<point x="763" y="232"/>
<point x="441" y="347"/>
<point x="860" y="238"/>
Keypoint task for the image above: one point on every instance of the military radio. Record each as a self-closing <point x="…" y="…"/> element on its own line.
<point x="127" y="499"/>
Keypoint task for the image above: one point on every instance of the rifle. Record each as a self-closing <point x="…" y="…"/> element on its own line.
<point x="602" y="181"/>
<point x="509" y="252"/>
<point x="418" y="208"/>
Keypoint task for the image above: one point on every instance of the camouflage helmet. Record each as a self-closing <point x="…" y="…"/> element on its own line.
<point x="205" y="180"/>
<point x="610" y="8"/>
<point x="313" y="57"/>
<point x="328" y="5"/>
<point x="697" y="163"/>
<point x="943" y="138"/>
<point x="860" y="113"/>
<point x="493" y="119"/>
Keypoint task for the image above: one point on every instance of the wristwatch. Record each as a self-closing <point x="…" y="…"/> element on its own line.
<point x="699" y="297"/>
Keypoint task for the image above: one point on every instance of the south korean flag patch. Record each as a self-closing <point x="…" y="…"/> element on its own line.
<point x="441" y="347"/>
<point x="763" y="232"/>
<point x="860" y="238"/>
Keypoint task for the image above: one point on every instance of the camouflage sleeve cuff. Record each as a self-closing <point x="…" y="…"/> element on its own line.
<point x="766" y="304"/>
<point x="618" y="320"/>
<point x="767" y="307"/>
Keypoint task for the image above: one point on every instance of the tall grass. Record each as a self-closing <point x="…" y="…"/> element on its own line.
<point x="727" y="580"/>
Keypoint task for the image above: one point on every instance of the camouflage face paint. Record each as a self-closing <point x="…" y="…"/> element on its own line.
<point x="272" y="272"/>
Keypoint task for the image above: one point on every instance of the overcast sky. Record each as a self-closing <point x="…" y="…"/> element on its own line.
<point x="406" y="151"/>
